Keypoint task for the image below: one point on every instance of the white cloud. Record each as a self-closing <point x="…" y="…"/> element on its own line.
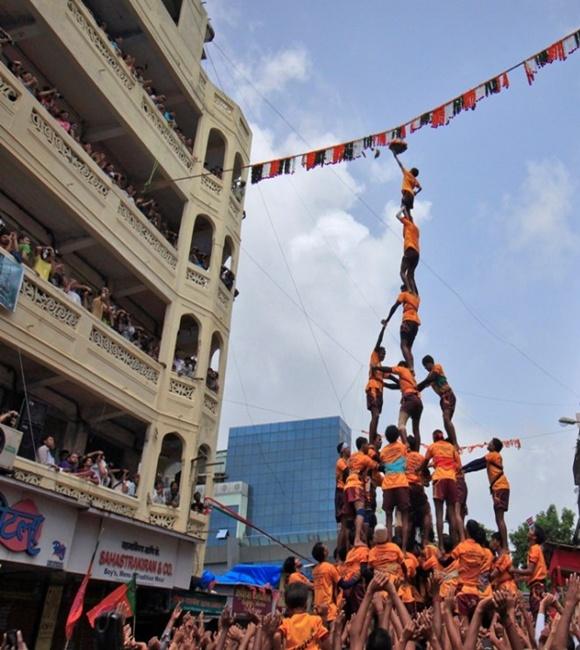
<point x="268" y="74"/>
<point x="539" y="217"/>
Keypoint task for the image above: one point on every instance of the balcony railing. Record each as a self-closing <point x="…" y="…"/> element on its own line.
<point x="132" y="217"/>
<point x="197" y="276"/>
<point x="182" y="386"/>
<point x="75" y="487"/>
<point x="77" y="332"/>
<point x="86" y="24"/>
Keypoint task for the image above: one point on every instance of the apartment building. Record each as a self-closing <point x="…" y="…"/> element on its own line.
<point x="122" y="173"/>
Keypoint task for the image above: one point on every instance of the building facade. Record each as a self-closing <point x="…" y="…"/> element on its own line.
<point x="122" y="168"/>
<point x="287" y="469"/>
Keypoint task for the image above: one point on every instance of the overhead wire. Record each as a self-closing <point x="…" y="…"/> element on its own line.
<point x="359" y="198"/>
<point x="294" y="283"/>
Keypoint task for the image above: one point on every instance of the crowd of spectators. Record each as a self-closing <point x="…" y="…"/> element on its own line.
<point x="53" y="102"/>
<point x="199" y="258"/>
<point x="184" y="365"/>
<point x="165" y="496"/>
<point x="92" y="467"/>
<point x="139" y="74"/>
<point x="47" y="263"/>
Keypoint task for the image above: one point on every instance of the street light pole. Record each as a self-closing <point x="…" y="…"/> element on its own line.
<point x="576" y="471"/>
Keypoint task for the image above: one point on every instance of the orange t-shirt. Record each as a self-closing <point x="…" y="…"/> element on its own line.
<point x="410" y="233"/>
<point x="440" y="384"/>
<point x="355" y="557"/>
<point x="406" y="591"/>
<point x="340" y="467"/>
<point x="414" y="461"/>
<point x="394" y="457"/>
<point x="472" y="561"/>
<point x="304" y="631"/>
<point x="357" y="464"/>
<point x="325" y="579"/>
<point x="492" y="459"/>
<point x="410" y="182"/>
<point x="298" y="577"/>
<point x="410" y="302"/>
<point x="503" y="580"/>
<point x="406" y="380"/>
<point x="376" y="377"/>
<point x="445" y="459"/>
<point x="536" y="556"/>
<point x="450" y="575"/>
<point x="387" y="558"/>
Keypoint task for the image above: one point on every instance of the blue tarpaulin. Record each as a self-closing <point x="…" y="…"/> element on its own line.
<point x="257" y="575"/>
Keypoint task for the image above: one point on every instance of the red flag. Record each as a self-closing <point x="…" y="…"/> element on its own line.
<point x="76" y="609"/>
<point x="122" y="599"/>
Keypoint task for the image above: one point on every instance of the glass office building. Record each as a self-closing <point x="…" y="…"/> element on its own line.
<point x="289" y="467"/>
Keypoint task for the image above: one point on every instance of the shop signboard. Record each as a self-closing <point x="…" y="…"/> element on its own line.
<point x="33" y="529"/>
<point x="159" y="560"/>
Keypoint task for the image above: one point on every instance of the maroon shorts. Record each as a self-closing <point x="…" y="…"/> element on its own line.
<point x="354" y="494"/>
<point x="338" y="503"/>
<point x="466" y="604"/>
<point x="418" y="500"/>
<point x="374" y="399"/>
<point x="445" y="489"/>
<point x="408" y="331"/>
<point x="396" y="497"/>
<point x="448" y="402"/>
<point x="412" y="405"/>
<point x="461" y="488"/>
<point x="407" y="199"/>
<point x="501" y="500"/>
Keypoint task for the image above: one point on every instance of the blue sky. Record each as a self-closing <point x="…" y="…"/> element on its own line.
<point x="498" y="217"/>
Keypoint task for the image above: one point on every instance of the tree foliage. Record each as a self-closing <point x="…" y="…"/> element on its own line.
<point x="558" y="529"/>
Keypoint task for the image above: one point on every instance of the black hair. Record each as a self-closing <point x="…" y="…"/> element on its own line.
<point x="496" y="537"/>
<point x="296" y="595"/>
<point x="360" y="441"/>
<point x="289" y="565"/>
<point x="45" y="437"/>
<point x="379" y="639"/>
<point x="392" y="433"/>
<point x="540" y="534"/>
<point x="447" y="543"/>
<point x="339" y="448"/>
<point x="414" y="171"/>
<point x="318" y="552"/>
<point x="428" y="359"/>
<point x="497" y="444"/>
<point x="412" y="442"/>
<point x="403" y="363"/>
<point x="341" y="553"/>
<point x="472" y="529"/>
<point x="381" y="348"/>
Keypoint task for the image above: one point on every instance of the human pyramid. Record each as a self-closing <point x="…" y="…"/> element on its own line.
<point x="464" y="558"/>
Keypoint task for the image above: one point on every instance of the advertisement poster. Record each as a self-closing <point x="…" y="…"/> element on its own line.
<point x="11" y="275"/>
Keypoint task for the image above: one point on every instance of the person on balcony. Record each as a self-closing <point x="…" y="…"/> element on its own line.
<point x="172" y="495"/>
<point x="44" y="454"/>
<point x="158" y="494"/>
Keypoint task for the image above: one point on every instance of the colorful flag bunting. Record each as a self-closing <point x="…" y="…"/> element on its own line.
<point x="437" y="117"/>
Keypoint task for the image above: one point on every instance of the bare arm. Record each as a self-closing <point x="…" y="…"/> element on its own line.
<point x="398" y="162"/>
<point x="505" y="604"/>
<point x="380" y="339"/>
<point x="429" y="379"/>
<point x="358" y="633"/>
<point x="393" y="310"/>
<point x="572" y="599"/>
<point x="473" y="631"/>
<point x="450" y="626"/>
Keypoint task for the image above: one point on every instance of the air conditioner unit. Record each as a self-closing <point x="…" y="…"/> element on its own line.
<point x="9" y="443"/>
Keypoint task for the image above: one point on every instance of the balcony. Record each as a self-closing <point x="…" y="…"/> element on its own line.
<point x="72" y="196"/>
<point x="52" y="330"/>
<point x="68" y="485"/>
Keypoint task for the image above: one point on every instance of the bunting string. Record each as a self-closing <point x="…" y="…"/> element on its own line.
<point x="514" y="443"/>
<point x="440" y="116"/>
